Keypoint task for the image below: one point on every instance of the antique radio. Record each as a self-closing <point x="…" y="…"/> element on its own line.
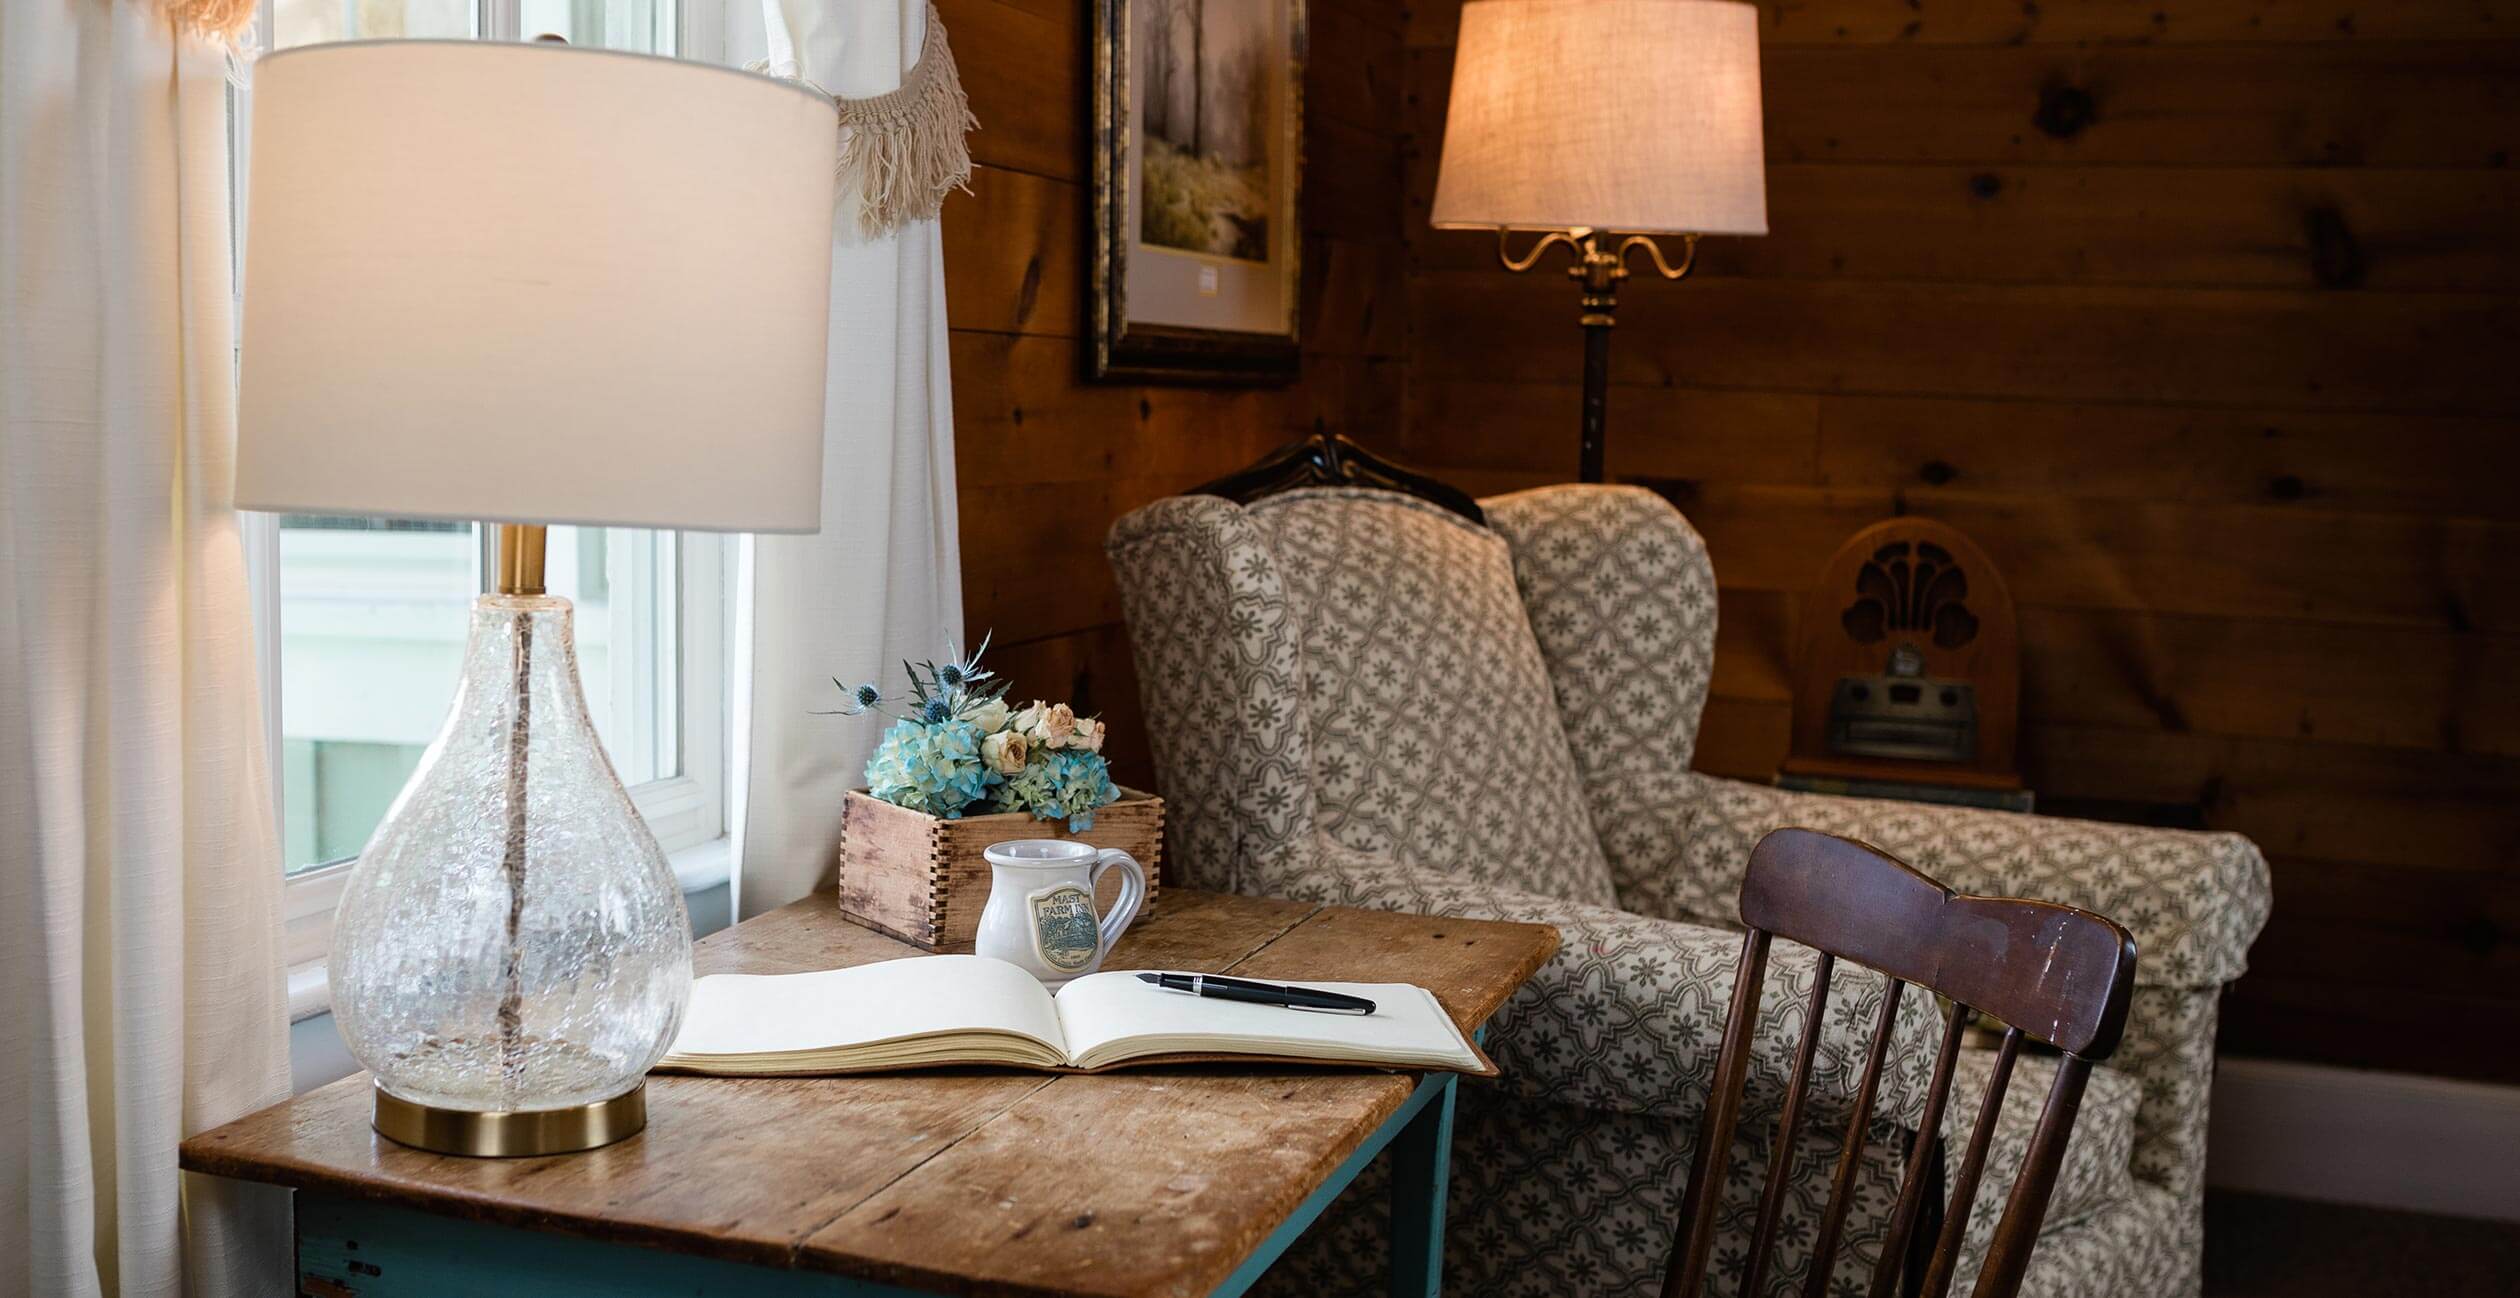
<point x="1909" y="664"/>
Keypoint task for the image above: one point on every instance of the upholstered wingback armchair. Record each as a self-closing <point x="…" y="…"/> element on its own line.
<point x="1358" y="697"/>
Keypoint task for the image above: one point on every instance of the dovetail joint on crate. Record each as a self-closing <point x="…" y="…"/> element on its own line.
<point x="939" y="870"/>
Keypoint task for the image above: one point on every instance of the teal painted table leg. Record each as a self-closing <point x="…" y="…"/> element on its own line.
<point x="1421" y="1167"/>
<point x="1427" y="1117"/>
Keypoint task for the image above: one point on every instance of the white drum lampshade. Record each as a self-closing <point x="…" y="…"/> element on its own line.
<point x="531" y="284"/>
<point x="534" y="283"/>
<point x="1636" y="116"/>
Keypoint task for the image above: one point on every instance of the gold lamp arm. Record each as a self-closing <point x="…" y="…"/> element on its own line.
<point x="1531" y="258"/>
<point x="1688" y="253"/>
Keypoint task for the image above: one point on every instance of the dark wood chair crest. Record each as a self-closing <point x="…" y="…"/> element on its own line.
<point x="1329" y="460"/>
<point x="2050" y="973"/>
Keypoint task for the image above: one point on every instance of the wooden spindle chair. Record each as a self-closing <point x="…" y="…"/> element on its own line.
<point x="2052" y="973"/>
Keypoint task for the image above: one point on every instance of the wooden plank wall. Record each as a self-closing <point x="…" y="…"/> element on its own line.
<point x="2203" y="316"/>
<point x="1046" y="460"/>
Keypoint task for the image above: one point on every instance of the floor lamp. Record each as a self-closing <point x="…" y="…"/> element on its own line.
<point x="1600" y="124"/>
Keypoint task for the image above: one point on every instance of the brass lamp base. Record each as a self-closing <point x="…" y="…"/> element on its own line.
<point x="518" y="1134"/>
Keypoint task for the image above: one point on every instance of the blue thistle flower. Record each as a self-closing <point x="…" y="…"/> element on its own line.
<point x="856" y="700"/>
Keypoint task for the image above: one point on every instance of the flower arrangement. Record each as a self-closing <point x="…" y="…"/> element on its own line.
<point x="958" y="747"/>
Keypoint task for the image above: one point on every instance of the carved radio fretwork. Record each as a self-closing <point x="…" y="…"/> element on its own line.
<point x="1911" y="587"/>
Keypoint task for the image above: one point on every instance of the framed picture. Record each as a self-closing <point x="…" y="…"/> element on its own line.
<point x="1198" y="161"/>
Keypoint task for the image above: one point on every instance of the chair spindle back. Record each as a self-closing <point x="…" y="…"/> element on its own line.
<point x="2052" y="973"/>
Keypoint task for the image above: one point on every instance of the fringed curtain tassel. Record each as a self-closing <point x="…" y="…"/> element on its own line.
<point x="904" y="151"/>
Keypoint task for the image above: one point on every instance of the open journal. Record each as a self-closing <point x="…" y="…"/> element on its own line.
<point x="937" y="1011"/>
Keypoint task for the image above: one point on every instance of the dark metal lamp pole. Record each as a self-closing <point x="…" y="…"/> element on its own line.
<point x="1598" y="269"/>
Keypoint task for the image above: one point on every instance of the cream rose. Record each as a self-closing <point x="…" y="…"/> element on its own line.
<point x="1029" y="720"/>
<point x="990" y="716"/>
<point x="1006" y="751"/>
<point x="1057" y="727"/>
<point x="1089" y="735"/>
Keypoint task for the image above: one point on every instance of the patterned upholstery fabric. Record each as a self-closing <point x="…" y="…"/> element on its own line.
<point x="1209" y="618"/>
<point x="2135" y="1246"/>
<point x="2193" y="901"/>
<point x="1297" y="659"/>
<point x="1628" y="1015"/>
<point x="1418" y="670"/>
<point x="1622" y="601"/>
<point x="1546" y="1200"/>
<point x="2097" y="1171"/>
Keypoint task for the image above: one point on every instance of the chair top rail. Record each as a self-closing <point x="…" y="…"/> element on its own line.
<point x="2062" y="975"/>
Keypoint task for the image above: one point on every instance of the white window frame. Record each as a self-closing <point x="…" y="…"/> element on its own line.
<point x="687" y="811"/>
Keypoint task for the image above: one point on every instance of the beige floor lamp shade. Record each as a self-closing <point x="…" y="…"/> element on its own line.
<point x="531" y="284"/>
<point x="1637" y="116"/>
<point x="534" y="283"/>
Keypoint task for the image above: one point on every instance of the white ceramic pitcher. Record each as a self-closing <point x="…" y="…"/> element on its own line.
<point x="1040" y="914"/>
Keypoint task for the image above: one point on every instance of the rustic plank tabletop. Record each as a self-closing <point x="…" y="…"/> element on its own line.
<point x="1144" y="1182"/>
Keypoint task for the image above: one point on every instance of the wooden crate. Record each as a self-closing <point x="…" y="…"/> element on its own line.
<point x="923" y="879"/>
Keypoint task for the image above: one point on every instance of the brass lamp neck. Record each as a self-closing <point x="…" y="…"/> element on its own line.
<point x="1600" y="263"/>
<point x="1599" y="271"/>
<point x="521" y="558"/>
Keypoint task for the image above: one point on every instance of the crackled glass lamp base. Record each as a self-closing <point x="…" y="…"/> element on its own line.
<point x="511" y="954"/>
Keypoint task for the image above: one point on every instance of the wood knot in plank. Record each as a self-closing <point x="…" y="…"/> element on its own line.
<point x="2065" y="111"/>
<point x="2336" y="257"/>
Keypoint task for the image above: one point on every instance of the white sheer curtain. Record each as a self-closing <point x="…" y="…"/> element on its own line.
<point x="882" y="581"/>
<point x="140" y="980"/>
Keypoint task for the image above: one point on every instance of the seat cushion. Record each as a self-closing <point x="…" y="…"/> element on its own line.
<point x="2099" y="1159"/>
<point x="1435" y="737"/>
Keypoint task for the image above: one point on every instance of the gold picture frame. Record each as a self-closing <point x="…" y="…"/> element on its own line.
<point x="1198" y="170"/>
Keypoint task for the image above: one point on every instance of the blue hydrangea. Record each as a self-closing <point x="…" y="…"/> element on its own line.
<point x="1084" y="783"/>
<point x="1068" y="784"/>
<point x="932" y="768"/>
<point x="1024" y="790"/>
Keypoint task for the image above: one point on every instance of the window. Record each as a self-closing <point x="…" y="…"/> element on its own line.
<point x="362" y="621"/>
<point x="372" y="629"/>
<point x="372" y="619"/>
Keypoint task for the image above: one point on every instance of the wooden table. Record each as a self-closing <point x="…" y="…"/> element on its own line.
<point x="1170" y="1181"/>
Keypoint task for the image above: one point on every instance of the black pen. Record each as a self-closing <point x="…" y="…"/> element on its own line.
<point x="1243" y="989"/>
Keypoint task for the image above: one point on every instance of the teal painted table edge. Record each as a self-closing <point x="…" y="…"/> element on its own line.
<point x="348" y="1246"/>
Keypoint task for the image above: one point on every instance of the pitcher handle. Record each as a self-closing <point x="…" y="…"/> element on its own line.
<point x="1132" y="893"/>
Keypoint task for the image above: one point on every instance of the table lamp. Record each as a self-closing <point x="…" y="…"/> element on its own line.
<point x="1600" y="124"/>
<point x="527" y="284"/>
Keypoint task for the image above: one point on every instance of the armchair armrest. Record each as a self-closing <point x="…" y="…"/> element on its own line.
<point x="2194" y="901"/>
<point x="1628" y="1016"/>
